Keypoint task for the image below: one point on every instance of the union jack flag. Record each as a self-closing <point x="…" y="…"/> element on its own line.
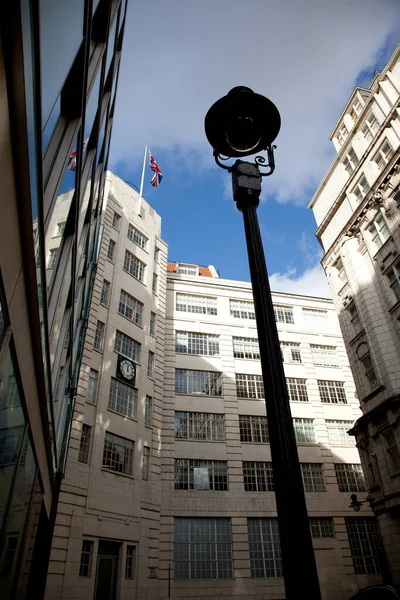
<point x="157" y="177"/>
<point x="72" y="158"/>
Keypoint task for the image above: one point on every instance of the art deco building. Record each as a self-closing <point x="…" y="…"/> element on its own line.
<point x="357" y="211"/>
<point x="59" y="65"/>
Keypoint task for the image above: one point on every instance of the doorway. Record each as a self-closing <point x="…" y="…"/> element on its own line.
<point x="107" y="570"/>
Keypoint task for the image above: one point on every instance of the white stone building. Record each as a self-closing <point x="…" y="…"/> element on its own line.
<point x="168" y="490"/>
<point x="356" y="209"/>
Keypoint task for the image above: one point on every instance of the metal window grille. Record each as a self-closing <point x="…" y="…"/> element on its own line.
<point x="258" y="477"/>
<point x="52" y="258"/>
<point x="84" y="444"/>
<point x="116" y="220"/>
<point x="130" y="307"/>
<point x="324" y="356"/>
<point x="148" y="411"/>
<point x="264" y="547"/>
<point x="240" y="309"/>
<point x="318" y="318"/>
<point x="365" y="544"/>
<point x="204" y="383"/>
<point x="197" y="343"/>
<point x="337" y="432"/>
<point x="130" y="561"/>
<point x="99" y="336"/>
<point x="361" y="188"/>
<point x="85" y="566"/>
<point x="253" y="429"/>
<point x="313" y="477"/>
<point x="153" y="323"/>
<point x="118" y="454"/>
<point x="155" y="283"/>
<point x="105" y="292"/>
<point x="202" y="548"/>
<point x="284" y="314"/>
<point x="304" y="431"/>
<point x="350" y="478"/>
<point x="111" y="250"/>
<point x="146" y="463"/>
<point x="127" y="346"/>
<point x="290" y="352"/>
<point x="199" y="426"/>
<point x="249" y="386"/>
<point x="134" y="266"/>
<point x="150" y="365"/>
<point x="332" y="392"/>
<point x="322" y="527"/>
<point x="201" y="475"/>
<point x="202" y="305"/>
<point x="297" y="389"/>
<point x="394" y="280"/>
<point x="137" y="237"/>
<point x="122" y="398"/>
<point x="246" y="348"/>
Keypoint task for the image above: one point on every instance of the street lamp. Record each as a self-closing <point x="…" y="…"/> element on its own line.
<point x="238" y="125"/>
<point x="356" y="503"/>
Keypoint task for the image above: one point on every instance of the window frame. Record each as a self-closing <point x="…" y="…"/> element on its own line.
<point x="212" y="379"/>
<point x="84" y="443"/>
<point x="350" y="479"/>
<point x="209" y="343"/>
<point x="135" y="267"/>
<point x="264" y="552"/>
<point x="215" y="470"/>
<point x="137" y="237"/>
<point x="122" y="398"/>
<point x="199" y="426"/>
<point x="128" y="457"/>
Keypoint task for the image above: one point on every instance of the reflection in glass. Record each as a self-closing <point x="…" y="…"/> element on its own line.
<point x="111" y="44"/>
<point x="92" y="105"/>
<point x="51" y="123"/>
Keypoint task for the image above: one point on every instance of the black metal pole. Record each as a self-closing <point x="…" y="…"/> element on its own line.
<point x="298" y="560"/>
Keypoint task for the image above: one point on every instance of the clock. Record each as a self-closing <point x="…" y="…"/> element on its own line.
<point x="126" y="370"/>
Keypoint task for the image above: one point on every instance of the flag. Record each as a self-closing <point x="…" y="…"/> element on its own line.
<point x="72" y="159"/>
<point x="157" y="177"/>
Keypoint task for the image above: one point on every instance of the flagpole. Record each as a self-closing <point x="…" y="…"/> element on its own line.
<point x="142" y="180"/>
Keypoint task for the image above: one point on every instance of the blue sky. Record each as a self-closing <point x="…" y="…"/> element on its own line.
<point x="179" y="57"/>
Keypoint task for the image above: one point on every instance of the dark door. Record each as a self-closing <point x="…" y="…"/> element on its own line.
<point x="106" y="571"/>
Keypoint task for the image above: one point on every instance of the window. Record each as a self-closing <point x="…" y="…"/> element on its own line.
<point x="356" y="110"/>
<point x="153" y="318"/>
<point x="130" y="308"/>
<point x="365" y="358"/>
<point x="342" y="135"/>
<point x="199" y="426"/>
<point x="122" y="398"/>
<point x="99" y="336"/>
<point x="134" y="266"/>
<point x="130" y="562"/>
<point x="202" y="548"/>
<point x="204" y="383"/>
<point x="137" y="237"/>
<point x="155" y="283"/>
<point x="253" y="429"/>
<point x="264" y="547"/>
<point x="258" y="477"/>
<point x="105" y="293"/>
<point x="10" y="442"/>
<point x="297" y="389"/>
<point x="378" y="232"/>
<point x="304" y="431"/>
<point x="148" y="411"/>
<point x="146" y="463"/>
<point x="365" y="544"/>
<point x="10" y="395"/>
<point x="201" y="475"/>
<point x="249" y="386"/>
<point x="240" y="309"/>
<point x="85" y="566"/>
<point x="324" y="356"/>
<point x="197" y="343"/>
<point x="315" y="318"/>
<point x="84" y="444"/>
<point x="337" y="432"/>
<point x="52" y="258"/>
<point x="246" y="348"/>
<point x="383" y="155"/>
<point x="355" y="318"/>
<point x="290" y="352"/>
<point x="350" y="478"/>
<point x="92" y="386"/>
<point x="313" y="477"/>
<point x="361" y="188"/>
<point x="60" y="228"/>
<point x="370" y="127"/>
<point x="202" y="305"/>
<point x="118" y="454"/>
<point x="341" y="273"/>
<point x="111" y="250"/>
<point x="394" y="280"/>
<point x="116" y="220"/>
<point x="156" y="254"/>
<point x="9" y="553"/>
<point x="187" y="269"/>
<point x="322" y="527"/>
<point x="350" y="161"/>
<point x="392" y="450"/>
<point x="332" y="392"/>
<point x="284" y="314"/>
<point x="127" y="346"/>
<point x="150" y="365"/>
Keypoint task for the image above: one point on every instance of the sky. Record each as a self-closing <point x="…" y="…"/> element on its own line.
<point x="180" y="56"/>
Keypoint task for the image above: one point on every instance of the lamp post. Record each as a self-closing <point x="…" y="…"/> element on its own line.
<point x="238" y="125"/>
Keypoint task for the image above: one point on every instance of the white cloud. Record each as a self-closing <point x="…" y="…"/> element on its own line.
<point x="312" y="282"/>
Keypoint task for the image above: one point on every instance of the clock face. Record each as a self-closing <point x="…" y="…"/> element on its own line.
<point x="127" y="369"/>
